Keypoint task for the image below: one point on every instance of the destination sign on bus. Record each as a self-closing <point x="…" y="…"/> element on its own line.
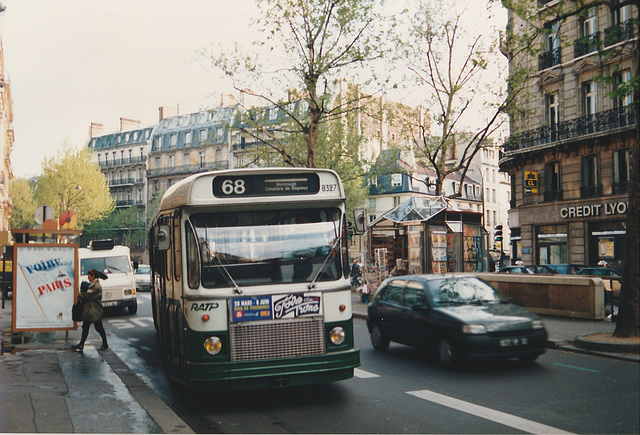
<point x="265" y="185"/>
<point x="272" y="307"/>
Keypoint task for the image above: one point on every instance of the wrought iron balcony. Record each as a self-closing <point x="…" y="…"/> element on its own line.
<point x="591" y="191"/>
<point x="552" y="195"/>
<point x="620" y="187"/>
<point x="574" y="129"/>
<point x="618" y="33"/>
<point x="586" y="45"/>
<point x="549" y="58"/>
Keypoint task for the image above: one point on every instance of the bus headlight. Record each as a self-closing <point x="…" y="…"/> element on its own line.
<point x="337" y="335"/>
<point x="213" y="345"/>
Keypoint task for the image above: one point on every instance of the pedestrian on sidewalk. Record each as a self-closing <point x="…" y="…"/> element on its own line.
<point x="92" y="309"/>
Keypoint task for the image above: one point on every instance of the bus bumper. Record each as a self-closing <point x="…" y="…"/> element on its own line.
<point x="278" y="373"/>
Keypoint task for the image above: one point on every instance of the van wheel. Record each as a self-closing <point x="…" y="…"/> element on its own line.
<point x="379" y="341"/>
<point x="133" y="309"/>
<point x="446" y="354"/>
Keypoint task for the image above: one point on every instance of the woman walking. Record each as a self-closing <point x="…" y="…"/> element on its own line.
<point x="92" y="309"/>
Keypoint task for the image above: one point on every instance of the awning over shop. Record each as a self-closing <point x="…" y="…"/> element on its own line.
<point x="414" y="209"/>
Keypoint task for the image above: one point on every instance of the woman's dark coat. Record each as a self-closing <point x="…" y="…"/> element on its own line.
<point x="92" y="302"/>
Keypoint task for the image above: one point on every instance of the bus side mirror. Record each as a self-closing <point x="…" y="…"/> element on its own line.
<point x="359" y="219"/>
<point x="161" y="237"/>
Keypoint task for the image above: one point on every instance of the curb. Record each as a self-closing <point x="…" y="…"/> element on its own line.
<point x="595" y="345"/>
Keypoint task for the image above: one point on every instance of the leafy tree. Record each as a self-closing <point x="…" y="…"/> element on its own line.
<point x="70" y="181"/>
<point x="321" y="40"/>
<point x="125" y="226"/>
<point x="24" y="203"/>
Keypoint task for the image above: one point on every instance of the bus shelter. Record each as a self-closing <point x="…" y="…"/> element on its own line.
<point x="426" y="235"/>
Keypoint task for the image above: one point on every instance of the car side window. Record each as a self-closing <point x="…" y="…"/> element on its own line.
<point x="393" y="292"/>
<point x="414" y="294"/>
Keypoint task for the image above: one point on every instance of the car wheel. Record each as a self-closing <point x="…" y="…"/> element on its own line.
<point x="133" y="309"/>
<point x="446" y="354"/>
<point x="378" y="340"/>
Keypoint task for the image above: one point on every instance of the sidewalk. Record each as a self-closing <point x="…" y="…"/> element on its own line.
<point x="47" y="387"/>
<point x="565" y="333"/>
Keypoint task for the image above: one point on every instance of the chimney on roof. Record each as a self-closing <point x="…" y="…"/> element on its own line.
<point x="166" y="112"/>
<point x="95" y="129"/>
<point x="128" y="124"/>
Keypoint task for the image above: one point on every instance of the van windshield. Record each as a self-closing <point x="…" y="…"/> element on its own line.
<point x="265" y="247"/>
<point x="117" y="264"/>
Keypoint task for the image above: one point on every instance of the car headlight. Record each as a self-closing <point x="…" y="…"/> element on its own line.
<point x="337" y="335"/>
<point x="473" y="329"/>
<point x="213" y="345"/>
<point x="537" y="324"/>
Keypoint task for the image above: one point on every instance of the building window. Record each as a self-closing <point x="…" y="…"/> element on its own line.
<point x="552" y="115"/>
<point x="589" y="105"/>
<point x="624" y="92"/>
<point x="171" y="162"/>
<point x="553" y="188"/>
<point x="203" y="135"/>
<point x="621" y="171"/>
<point x="396" y="180"/>
<point x="551" y="56"/>
<point x="187" y="138"/>
<point x="396" y="201"/>
<point x="218" y="155"/>
<point x="588" y="43"/>
<point x="552" y="244"/>
<point x="201" y="159"/>
<point x="372" y="203"/>
<point x="174" y="140"/>
<point x="590" y="177"/>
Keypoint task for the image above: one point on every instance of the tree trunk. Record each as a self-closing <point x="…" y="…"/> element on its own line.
<point x="312" y="138"/>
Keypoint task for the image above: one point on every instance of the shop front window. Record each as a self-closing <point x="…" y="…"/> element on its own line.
<point x="552" y="244"/>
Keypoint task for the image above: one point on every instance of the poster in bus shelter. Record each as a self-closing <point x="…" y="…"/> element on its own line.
<point x="45" y="286"/>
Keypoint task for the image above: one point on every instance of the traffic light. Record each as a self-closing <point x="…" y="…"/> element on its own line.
<point x="498" y="238"/>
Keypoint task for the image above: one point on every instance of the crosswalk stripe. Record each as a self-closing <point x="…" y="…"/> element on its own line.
<point x="487" y="413"/>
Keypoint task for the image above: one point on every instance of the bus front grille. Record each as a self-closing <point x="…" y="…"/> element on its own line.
<point x="285" y="339"/>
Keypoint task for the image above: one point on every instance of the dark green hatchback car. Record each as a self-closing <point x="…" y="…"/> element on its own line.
<point x="459" y="316"/>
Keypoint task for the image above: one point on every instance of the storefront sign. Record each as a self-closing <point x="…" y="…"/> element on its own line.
<point x="579" y="211"/>
<point x="530" y="181"/>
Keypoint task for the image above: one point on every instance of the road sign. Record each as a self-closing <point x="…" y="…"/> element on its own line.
<point x="530" y="181"/>
<point x="44" y="213"/>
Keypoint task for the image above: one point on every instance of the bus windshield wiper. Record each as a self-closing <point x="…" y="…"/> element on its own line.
<point x="228" y="277"/>
<point x="331" y="253"/>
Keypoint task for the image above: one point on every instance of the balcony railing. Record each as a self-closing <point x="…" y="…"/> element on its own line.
<point x="549" y="58"/>
<point x="586" y="45"/>
<point x="122" y="162"/>
<point x="552" y="195"/>
<point x="591" y="191"/>
<point x="575" y="128"/>
<point x="188" y="169"/>
<point x="618" y="33"/>
<point x="620" y="187"/>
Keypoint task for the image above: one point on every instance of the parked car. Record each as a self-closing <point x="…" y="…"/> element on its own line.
<point x="566" y="269"/>
<point x="540" y="269"/>
<point x="143" y="277"/>
<point x="610" y="277"/>
<point x="459" y="316"/>
<point x="515" y="269"/>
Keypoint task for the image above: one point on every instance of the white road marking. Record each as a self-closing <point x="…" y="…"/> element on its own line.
<point x="142" y="322"/>
<point x="358" y="373"/>
<point x="487" y="413"/>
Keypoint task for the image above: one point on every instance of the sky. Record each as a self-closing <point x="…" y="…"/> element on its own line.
<point x="73" y="62"/>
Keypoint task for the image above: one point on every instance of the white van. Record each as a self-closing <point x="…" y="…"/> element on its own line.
<point x="119" y="290"/>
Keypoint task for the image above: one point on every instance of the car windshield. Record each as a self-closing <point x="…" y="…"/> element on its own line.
<point x="265" y="247"/>
<point x="143" y="269"/>
<point x="462" y="291"/>
<point x="119" y="264"/>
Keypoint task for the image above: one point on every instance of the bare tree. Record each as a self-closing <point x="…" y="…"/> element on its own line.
<point x="320" y="41"/>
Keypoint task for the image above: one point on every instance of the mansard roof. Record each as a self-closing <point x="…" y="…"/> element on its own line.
<point x="121" y="139"/>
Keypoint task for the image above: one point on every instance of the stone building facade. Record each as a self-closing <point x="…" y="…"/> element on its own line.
<point x="568" y="156"/>
<point x="6" y="143"/>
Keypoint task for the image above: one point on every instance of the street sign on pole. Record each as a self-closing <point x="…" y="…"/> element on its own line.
<point x="44" y="213"/>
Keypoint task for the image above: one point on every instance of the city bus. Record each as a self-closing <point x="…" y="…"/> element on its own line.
<point x="251" y="280"/>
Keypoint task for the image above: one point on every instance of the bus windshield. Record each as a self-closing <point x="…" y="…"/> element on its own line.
<point x="264" y="247"/>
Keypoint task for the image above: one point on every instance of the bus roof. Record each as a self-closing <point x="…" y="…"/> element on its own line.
<point x="239" y="186"/>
